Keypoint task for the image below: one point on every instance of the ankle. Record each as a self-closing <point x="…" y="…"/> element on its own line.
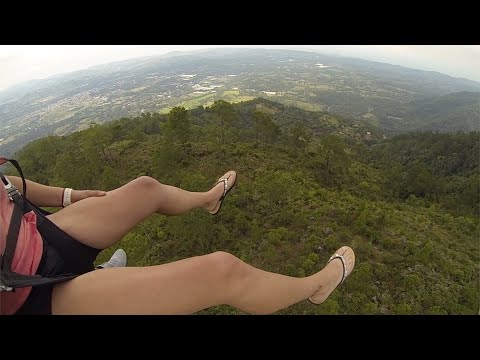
<point x="208" y="198"/>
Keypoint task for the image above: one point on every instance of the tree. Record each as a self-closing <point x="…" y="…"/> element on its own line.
<point x="300" y="136"/>
<point x="265" y="129"/>
<point x="178" y="124"/>
<point x="420" y="181"/>
<point x="225" y="114"/>
<point x="332" y="161"/>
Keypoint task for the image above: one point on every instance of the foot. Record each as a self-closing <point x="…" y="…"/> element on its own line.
<point x="217" y="193"/>
<point x="118" y="259"/>
<point x="334" y="271"/>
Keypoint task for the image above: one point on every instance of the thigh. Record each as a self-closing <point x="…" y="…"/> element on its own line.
<point x="68" y="253"/>
<point x="99" y="222"/>
<point x="181" y="287"/>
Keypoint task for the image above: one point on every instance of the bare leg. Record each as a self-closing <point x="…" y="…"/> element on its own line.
<point x="190" y="285"/>
<point x="99" y="222"/>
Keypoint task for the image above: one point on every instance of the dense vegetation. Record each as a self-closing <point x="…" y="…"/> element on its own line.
<point x="308" y="183"/>
<point x="453" y="112"/>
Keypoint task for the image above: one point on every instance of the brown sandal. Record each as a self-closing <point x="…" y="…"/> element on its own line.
<point x="226" y="189"/>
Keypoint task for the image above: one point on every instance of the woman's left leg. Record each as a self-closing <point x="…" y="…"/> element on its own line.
<point x="190" y="285"/>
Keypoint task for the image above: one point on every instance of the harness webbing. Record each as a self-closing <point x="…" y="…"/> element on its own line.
<point x="10" y="280"/>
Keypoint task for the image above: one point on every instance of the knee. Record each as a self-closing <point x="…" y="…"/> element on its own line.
<point x="228" y="266"/>
<point x="146" y="182"/>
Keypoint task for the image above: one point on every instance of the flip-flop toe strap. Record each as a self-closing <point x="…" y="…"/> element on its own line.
<point x="225" y="186"/>
<point x="345" y="272"/>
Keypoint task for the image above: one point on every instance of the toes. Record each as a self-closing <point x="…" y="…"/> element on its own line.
<point x="349" y="257"/>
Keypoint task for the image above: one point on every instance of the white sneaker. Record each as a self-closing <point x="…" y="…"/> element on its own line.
<point x="118" y="259"/>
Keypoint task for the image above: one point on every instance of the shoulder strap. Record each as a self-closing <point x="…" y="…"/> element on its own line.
<point x="20" y="207"/>
<point x="12" y="237"/>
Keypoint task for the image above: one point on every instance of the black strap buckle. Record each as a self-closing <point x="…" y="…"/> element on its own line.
<point x="4" y="287"/>
<point x="11" y="192"/>
<point x="10" y="188"/>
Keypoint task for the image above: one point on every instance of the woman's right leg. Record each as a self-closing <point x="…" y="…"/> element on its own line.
<point x="190" y="285"/>
<point x="99" y="222"/>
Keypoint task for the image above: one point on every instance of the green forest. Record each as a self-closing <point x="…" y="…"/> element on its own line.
<point x="308" y="183"/>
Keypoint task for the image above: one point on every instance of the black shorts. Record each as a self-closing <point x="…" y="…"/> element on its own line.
<point x="61" y="254"/>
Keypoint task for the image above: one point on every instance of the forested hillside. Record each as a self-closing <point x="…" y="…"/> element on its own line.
<point x="453" y="112"/>
<point x="308" y="183"/>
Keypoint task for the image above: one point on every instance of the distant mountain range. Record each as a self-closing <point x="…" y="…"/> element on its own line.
<point x="391" y="97"/>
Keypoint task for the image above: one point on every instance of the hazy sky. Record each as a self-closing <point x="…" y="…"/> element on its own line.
<point x="19" y="63"/>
